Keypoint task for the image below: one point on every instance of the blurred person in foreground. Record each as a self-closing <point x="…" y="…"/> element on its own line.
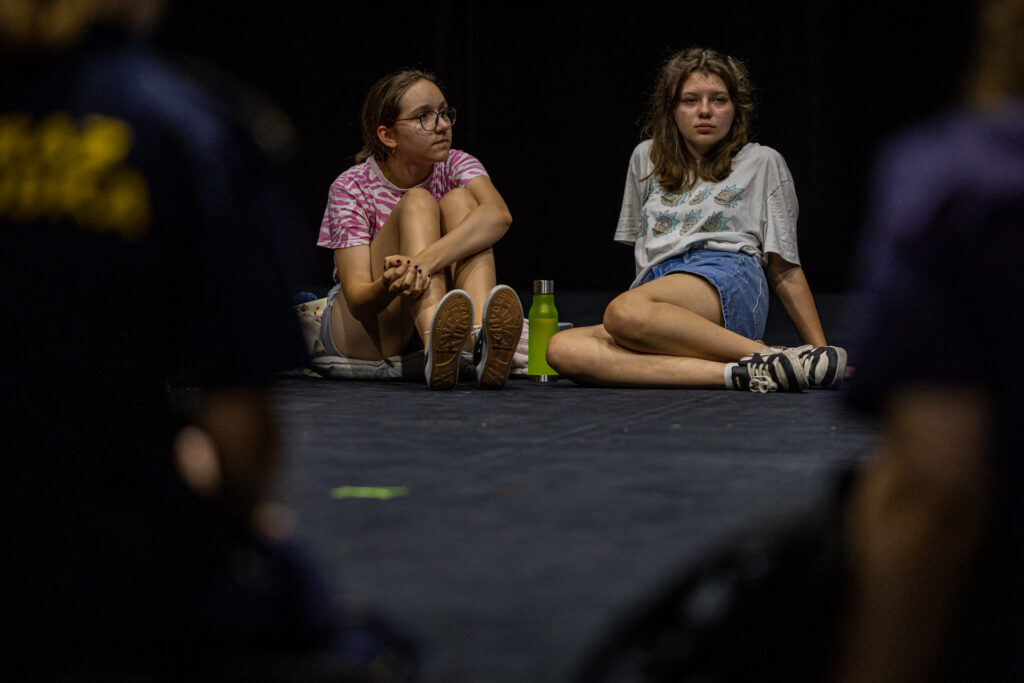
<point x="139" y="223"/>
<point x="936" y="573"/>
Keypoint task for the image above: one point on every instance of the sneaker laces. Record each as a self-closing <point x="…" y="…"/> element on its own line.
<point x="761" y="384"/>
<point x="760" y="375"/>
<point x="774" y="369"/>
<point x="805" y="354"/>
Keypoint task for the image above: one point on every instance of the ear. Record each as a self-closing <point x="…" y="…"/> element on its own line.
<point x="387" y="136"/>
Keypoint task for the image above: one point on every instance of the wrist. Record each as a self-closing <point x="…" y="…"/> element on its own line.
<point x="428" y="262"/>
<point x="385" y="294"/>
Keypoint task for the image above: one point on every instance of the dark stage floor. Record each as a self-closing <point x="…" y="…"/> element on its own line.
<point x="528" y="518"/>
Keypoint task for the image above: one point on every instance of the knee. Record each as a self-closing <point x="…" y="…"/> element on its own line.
<point x="417" y="202"/>
<point x="456" y="205"/>
<point x="458" y="199"/>
<point x="623" y="318"/>
<point x="417" y="210"/>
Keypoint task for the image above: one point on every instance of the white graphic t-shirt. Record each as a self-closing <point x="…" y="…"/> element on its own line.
<point x="754" y="210"/>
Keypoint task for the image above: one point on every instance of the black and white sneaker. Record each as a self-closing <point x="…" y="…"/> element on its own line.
<point x="496" y="343"/>
<point x="825" y="366"/>
<point x="781" y="371"/>
<point x="449" y="330"/>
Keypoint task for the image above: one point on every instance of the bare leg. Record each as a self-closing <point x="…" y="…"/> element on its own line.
<point x="476" y="273"/>
<point x="666" y="333"/>
<point x="417" y="225"/>
<point x="414" y="224"/>
<point x="589" y="355"/>
<point x="676" y="315"/>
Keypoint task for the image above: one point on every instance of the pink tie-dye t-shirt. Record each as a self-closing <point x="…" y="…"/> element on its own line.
<point x="361" y="198"/>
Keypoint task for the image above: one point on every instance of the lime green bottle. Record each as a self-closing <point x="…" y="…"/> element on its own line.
<point x="543" y="325"/>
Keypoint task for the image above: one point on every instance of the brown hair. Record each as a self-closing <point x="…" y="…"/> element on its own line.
<point x="383" y="105"/>
<point x="674" y="166"/>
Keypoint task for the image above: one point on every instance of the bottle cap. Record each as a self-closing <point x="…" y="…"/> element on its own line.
<point x="543" y="286"/>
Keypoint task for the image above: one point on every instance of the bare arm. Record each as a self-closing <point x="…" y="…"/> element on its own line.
<point x="789" y="283"/>
<point x="231" y="454"/>
<point x="479" y="230"/>
<point x="915" y="521"/>
<point x="365" y="295"/>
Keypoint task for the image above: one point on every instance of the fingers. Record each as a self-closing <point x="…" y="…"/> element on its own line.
<point x="404" y="278"/>
<point x="395" y="270"/>
<point x="412" y="282"/>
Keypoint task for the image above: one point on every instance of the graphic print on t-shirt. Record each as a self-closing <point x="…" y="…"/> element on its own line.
<point x="716" y="222"/>
<point x="664" y="222"/>
<point x="700" y="196"/>
<point x="729" y="196"/>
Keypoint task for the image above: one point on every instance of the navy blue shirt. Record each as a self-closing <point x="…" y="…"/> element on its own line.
<point x="141" y="245"/>
<point x="941" y="303"/>
<point x="940" y="278"/>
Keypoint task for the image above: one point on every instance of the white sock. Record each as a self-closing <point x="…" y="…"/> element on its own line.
<point x="728" y="375"/>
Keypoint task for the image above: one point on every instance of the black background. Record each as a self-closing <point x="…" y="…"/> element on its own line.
<point x="550" y="99"/>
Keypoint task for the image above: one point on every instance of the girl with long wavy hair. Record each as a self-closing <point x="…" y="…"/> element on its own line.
<point x="712" y="219"/>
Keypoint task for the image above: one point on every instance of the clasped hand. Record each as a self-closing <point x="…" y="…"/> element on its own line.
<point x="402" y="277"/>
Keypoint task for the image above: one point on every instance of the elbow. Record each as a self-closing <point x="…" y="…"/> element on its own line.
<point x="775" y="277"/>
<point x="778" y="271"/>
<point x="361" y="313"/>
<point x="362" y="310"/>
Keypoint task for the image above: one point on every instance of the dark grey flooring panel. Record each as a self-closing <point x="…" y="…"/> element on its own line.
<point x="535" y="514"/>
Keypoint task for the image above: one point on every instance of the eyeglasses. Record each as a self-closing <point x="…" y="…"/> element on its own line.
<point x="429" y="119"/>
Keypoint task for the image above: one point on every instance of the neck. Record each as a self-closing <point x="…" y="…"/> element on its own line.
<point x="403" y="174"/>
<point x="697" y="156"/>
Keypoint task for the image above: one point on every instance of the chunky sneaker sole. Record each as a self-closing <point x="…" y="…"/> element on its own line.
<point x="784" y="370"/>
<point x="825" y="365"/>
<point x="449" y="329"/>
<point x="499" y="337"/>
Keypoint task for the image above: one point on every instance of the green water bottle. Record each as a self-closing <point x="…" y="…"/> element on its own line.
<point x="543" y="325"/>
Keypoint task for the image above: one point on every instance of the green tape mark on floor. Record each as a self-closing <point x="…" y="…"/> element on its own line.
<point x="375" y="492"/>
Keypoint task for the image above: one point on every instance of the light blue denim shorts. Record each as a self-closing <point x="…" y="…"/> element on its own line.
<point x="740" y="282"/>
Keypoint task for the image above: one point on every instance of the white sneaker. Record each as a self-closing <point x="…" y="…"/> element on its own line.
<point x="498" y="339"/>
<point x="780" y="371"/>
<point x="449" y="330"/>
<point x="825" y="365"/>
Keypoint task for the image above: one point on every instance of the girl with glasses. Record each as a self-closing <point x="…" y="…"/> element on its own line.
<point x="412" y="226"/>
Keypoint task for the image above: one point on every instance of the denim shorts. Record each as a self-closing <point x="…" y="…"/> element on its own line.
<point x="740" y="282"/>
